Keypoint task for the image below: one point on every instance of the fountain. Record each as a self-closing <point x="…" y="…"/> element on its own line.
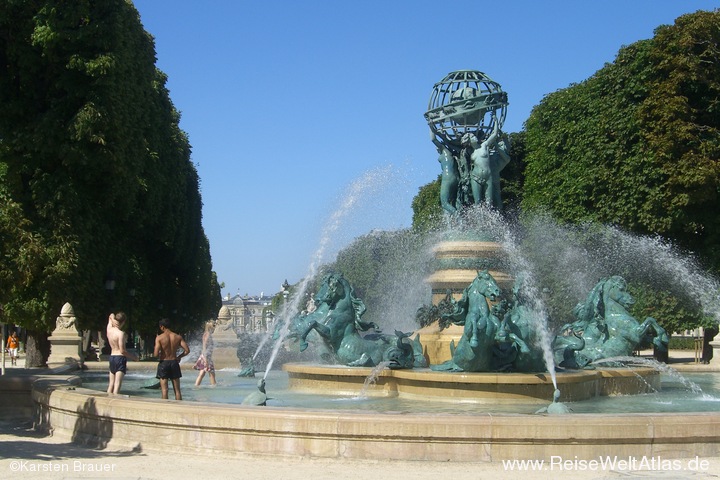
<point x="465" y="116"/>
<point x="485" y="347"/>
<point x="496" y="417"/>
<point x="464" y="416"/>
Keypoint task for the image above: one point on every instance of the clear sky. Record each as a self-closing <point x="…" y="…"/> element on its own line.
<point x="299" y="110"/>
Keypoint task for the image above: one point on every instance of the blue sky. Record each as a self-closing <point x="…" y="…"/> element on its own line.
<point x="294" y="107"/>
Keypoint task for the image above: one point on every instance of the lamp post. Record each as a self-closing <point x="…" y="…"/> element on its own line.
<point x="285" y="292"/>
<point x="269" y="321"/>
<point x="131" y="335"/>
<point x="110" y="290"/>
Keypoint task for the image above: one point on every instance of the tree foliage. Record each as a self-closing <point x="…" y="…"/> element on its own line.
<point x="427" y="212"/>
<point x="95" y="173"/>
<point x="638" y="143"/>
<point x="674" y="312"/>
<point x="512" y="177"/>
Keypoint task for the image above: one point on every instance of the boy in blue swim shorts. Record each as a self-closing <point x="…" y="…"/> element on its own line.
<point x="117" y="339"/>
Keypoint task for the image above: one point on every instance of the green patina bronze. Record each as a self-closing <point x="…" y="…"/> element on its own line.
<point x="556" y="407"/>
<point x="488" y="344"/>
<point x="337" y="320"/>
<point x="465" y="114"/>
<point x="248" y="370"/>
<point x="523" y="354"/>
<point x="258" y="398"/>
<point x="474" y="351"/>
<point x="604" y="328"/>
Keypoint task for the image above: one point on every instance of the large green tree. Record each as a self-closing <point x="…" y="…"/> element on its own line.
<point x="95" y="173"/>
<point x="427" y="212"/>
<point x="638" y="143"/>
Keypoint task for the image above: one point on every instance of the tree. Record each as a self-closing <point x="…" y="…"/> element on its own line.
<point x="427" y="212"/>
<point x="681" y="124"/>
<point x="675" y="313"/>
<point x="96" y="172"/>
<point x="638" y="143"/>
<point x="512" y="177"/>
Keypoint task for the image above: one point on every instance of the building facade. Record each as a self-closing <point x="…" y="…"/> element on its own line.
<point x="251" y="314"/>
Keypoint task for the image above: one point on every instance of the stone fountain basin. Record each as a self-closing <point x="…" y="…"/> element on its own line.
<point x="95" y="418"/>
<point x="101" y="420"/>
<point x="471" y="387"/>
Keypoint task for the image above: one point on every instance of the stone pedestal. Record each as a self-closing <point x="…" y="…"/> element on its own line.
<point x="436" y="342"/>
<point x="470" y="387"/>
<point x="715" y="344"/>
<point x="65" y="340"/>
<point x="457" y="263"/>
<point x="226" y="342"/>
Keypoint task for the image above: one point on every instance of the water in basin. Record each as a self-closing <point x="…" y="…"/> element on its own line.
<point x="674" y="396"/>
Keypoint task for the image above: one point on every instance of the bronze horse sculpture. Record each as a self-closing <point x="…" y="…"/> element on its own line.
<point x="337" y="320"/>
<point x="482" y="330"/>
<point x="525" y="354"/>
<point x="604" y="328"/>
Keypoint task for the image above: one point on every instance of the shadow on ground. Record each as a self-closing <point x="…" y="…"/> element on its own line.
<point x="27" y="447"/>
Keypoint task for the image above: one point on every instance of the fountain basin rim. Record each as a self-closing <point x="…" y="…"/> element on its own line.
<point x="294" y="413"/>
<point x="469" y="377"/>
<point x="189" y="427"/>
<point x="480" y="387"/>
<point x="466" y="247"/>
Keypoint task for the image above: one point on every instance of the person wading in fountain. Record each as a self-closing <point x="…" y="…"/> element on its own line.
<point x="166" y="347"/>
<point x="118" y="354"/>
<point x="205" y="362"/>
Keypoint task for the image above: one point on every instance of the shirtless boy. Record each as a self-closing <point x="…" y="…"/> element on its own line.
<point x="166" y="347"/>
<point x="118" y="355"/>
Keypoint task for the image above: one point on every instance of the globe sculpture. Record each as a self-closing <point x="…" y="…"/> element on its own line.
<point x="459" y="104"/>
<point x="466" y="112"/>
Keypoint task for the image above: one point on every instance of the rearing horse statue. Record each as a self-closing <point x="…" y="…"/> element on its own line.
<point x="337" y="320"/>
<point x="604" y="328"/>
<point x="474" y="351"/>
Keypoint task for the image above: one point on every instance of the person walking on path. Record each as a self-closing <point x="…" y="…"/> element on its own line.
<point x="117" y="339"/>
<point x="205" y="363"/>
<point x="13" y="343"/>
<point x="707" y="350"/>
<point x="167" y="344"/>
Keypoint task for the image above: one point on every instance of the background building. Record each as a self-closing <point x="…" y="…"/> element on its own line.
<point x="250" y="313"/>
